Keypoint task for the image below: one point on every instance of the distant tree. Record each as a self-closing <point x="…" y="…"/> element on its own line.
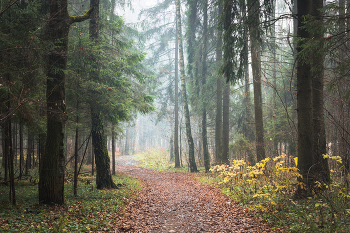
<point x="204" y="89"/>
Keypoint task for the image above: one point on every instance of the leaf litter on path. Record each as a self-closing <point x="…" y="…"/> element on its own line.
<point x="176" y="202"/>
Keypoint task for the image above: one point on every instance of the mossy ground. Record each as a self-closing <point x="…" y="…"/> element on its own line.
<point x="91" y="210"/>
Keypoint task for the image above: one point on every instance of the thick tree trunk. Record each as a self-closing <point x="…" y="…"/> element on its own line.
<point x="256" y="68"/>
<point x="192" y="162"/>
<point x="103" y="172"/>
<point x="304" y="103"/>
<point x="319" y="134"/>
<point x="51" y="182"/>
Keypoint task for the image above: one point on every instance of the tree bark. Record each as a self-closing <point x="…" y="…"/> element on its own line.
<point x="21" y="155"/>
<point x="218" y="120"/>
<point x="192" y="162"/>
<point x="29" y="151"/>
<point x="204" y="81"/>
<point x="319" y="134"/>
<point x="304" y="103"/>
<point x="256" y="68"/>
<point x="176" y="130"/>
<point x="75" y="185"/>
<point x="226" y="124"/>
<point x="51" y="182"/>
<point x="126" y="148"/>
<point x="113" y="150"/>
<point x="103" y="170"/>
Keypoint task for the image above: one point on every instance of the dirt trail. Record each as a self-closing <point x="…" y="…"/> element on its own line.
<point x="176" y="202"/>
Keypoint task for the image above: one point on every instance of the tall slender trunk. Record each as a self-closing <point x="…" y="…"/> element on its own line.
<point x="274" y="79"/>
<point x="30" y="140"/>
<point x="92" y="159"/>
<point x="192" y="162"/>
<point x="253" y="17"/>
<point x="204" y="81"/>
<point x="103" y="170"/>
<point x="21" y="155"/>
<point x="218" y="120"/>
<point x="75" y="185"/>
<point x="113" y="150"/>
<point x="126" y="148"/>
<point x="226" y="124"/>
<point x="8" y="153"/>
<point x="171" y="145"/>
<point x="176" y="130"/>
<point x="249" y="134"/>
<point x="191" y="35"/>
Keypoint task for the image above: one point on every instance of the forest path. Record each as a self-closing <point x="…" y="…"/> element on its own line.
<point x="176" y="202"/>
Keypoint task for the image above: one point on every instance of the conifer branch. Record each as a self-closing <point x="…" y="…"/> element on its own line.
<point x="8" y="6"/>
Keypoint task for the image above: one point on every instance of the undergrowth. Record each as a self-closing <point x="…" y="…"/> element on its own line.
<point x="91" y="210"/>
<point x="158" y="159"/>
<point x="267" y="189"/>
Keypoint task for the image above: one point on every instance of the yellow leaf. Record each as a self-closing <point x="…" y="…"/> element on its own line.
<point x="296" y="161"/>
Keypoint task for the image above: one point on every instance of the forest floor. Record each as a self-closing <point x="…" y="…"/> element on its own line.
<point x="177" y="202"/>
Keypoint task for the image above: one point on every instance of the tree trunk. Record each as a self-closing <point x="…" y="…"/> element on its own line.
<point x="51" y="182"/>
<point x="191" y="35"/>
<point x="75" y="185"/>
<point x="249" y="134"/>
<point x="92" y="159"/>
<point x="304" y="103"/>
<point x="204" y="81"/>
<point x="226" y="124"/>
<point x="30" y="140"/>
<point x="103" y="170"/>
<point x="218" y="120"/>
<point x="126" y="148"/>
<point x="274" y="79"/>
<point x="319" y="134"/>
<point x="192" y="162"/>
<point x="171" y="145"/>
<point x="176" y="130"/>
<point x="256" y="68"/>
<point x="21" y="155"/>
<point x="113" y="150"/>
